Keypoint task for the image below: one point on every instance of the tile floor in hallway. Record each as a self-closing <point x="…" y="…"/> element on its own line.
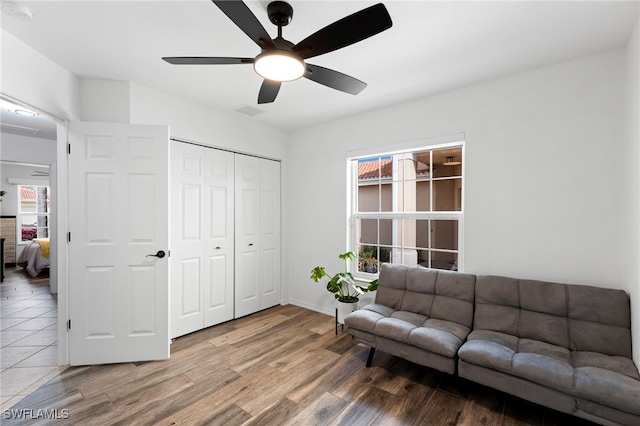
<point x="29" y="335"/>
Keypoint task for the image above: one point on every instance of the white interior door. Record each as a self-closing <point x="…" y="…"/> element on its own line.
<point x="202" y="240"/>
<point x="118" y="216"/>
<point x="247" y="204"/>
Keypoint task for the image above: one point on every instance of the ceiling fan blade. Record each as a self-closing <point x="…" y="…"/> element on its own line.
<point x="334" y="79"/>
<point x="268" y="91"/>
<point x="351" y="29"/>
<point x="242" y="16"/>
<point x="204" y="60"/>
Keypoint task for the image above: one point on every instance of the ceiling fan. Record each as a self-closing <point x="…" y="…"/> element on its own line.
<point x="281" y="60"/>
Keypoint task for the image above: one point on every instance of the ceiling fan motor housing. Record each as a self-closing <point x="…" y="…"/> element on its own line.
<point x="280" y="13"/>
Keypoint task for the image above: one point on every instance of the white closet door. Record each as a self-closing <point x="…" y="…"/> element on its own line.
<point x="247" y="203"/>
<point x="218" y="236"/>
<point x="201" y="279"/>
<point x="187" y="245"/>
<point x="271" y="274"/>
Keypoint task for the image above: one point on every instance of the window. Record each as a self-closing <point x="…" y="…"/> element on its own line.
<point x="33" y="212"/>
<point x="407" y="208"/>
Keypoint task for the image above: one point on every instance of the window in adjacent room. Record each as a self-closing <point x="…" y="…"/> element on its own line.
<point x="407" y="208"/>
<point x="33" y="212"/>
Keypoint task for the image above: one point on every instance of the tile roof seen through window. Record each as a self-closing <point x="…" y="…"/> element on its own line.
<point x="369" y="170"/>
<point x="374" y="169"/>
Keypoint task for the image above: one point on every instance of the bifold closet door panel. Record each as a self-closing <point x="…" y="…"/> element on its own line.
<point x="270" y="258"/>
<point x="201" y="273"/>
<point x="187" y="246"/>
<point x="219" y="238"/>
<point x="247" y="248"/>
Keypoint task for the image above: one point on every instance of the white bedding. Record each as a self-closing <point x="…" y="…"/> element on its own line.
<point x="32" y="260"/>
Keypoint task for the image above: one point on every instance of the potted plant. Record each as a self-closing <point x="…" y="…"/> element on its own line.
<point x="343" y="286"/>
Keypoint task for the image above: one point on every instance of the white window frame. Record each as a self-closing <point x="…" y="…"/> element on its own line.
<point x="21" y="213"/>
<point x="452" y="141"/>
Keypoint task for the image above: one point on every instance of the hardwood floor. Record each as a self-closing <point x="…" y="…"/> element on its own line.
<point x="281" y="366"/>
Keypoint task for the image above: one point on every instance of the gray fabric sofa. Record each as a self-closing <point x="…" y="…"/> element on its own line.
<point x="567" y="347"/>
<point x="423" y="315"/>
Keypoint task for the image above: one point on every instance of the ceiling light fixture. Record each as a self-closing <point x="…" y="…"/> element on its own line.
<point x="24" y="112"/>
<point x="450" y="162"/>
<point x="279" y="65"/>
<point x="17" y="10"/>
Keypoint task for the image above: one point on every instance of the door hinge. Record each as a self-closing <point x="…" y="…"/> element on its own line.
<point x="69" y="148"/>
<point x="68" y="237"/>
<point x="68" y="325"/>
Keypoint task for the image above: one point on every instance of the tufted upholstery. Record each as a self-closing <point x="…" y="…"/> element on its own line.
<point x="426" y="310"/>
<point x="570" y="338"/>
<point x="567" y="347"/>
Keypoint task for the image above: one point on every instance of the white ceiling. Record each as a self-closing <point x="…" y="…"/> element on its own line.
<point x="433" y="46"/>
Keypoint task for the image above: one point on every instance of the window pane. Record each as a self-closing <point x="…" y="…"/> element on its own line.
<point x="27" y="198"/>
<point x="369" y="198"/>
<point x="407" y="197"/>
<point x="448" y="162"/>
<point x="368" y="231"/>
<point x="448" y="195"/>
<point x="423" y="196"/>
<point x="444" y="234"/>
<point x="368" y="259"/>
<point x="387" y="231"/>
<point x="369" y="170"/>
<point x="422" y="233"/>
<point x="441" y="260"/>
<point x="29" y="227"/>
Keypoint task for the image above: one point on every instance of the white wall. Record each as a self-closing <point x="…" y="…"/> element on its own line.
<point x="105" y="100"/>
<point x="631" y="195"/>
<point x="543" y="193"/>
<point x="198" y="123"/>
<point x="30" y="77"/>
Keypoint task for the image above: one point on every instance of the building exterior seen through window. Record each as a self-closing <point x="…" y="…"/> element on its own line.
<point x="34" y="207"/>
<point x="407" y="209"/>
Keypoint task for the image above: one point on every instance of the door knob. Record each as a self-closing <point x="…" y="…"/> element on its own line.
<point x="160" y="254"/>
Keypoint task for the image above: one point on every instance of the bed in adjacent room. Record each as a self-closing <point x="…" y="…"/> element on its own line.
<point x="35" y="257"/>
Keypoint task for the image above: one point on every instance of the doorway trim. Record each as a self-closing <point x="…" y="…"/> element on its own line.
<point x="59" y="219"/>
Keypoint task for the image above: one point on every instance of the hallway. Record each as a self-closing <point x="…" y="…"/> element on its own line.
<point x="29" y="335"/>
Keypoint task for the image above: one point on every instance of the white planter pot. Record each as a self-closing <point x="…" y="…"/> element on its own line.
<point x="344" y="309"/>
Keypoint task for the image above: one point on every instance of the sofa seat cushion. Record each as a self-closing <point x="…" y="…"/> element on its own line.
<point x="617" y="364"/>
<point x="545" y="364"/>
<point x="365" y="319"/>
<point x="538" y="362"/>
<point x="438" y="336"/>
<point x="608" y="388"/>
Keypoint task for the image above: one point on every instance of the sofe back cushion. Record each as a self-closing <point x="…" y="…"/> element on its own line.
<point x="497" y="305"/>
<point x="391" y="285"/>
<point x="433" y="293"/>
<point x="600" y="320"/>
<point x="576" y="317"/>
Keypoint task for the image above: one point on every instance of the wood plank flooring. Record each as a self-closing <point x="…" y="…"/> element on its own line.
<point x="281" y="366"/>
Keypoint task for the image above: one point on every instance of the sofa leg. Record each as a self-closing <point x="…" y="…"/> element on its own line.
<point x="370" y="357"/>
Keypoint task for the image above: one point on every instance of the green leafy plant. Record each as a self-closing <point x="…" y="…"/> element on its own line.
<point x="2" y="195"/>
<point x="342" y="284"/>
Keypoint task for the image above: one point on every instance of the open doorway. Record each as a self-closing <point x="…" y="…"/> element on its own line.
<point x="29" y="306"/>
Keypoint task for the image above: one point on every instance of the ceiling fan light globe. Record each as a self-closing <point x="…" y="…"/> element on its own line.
<point x="279" y="66"/>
